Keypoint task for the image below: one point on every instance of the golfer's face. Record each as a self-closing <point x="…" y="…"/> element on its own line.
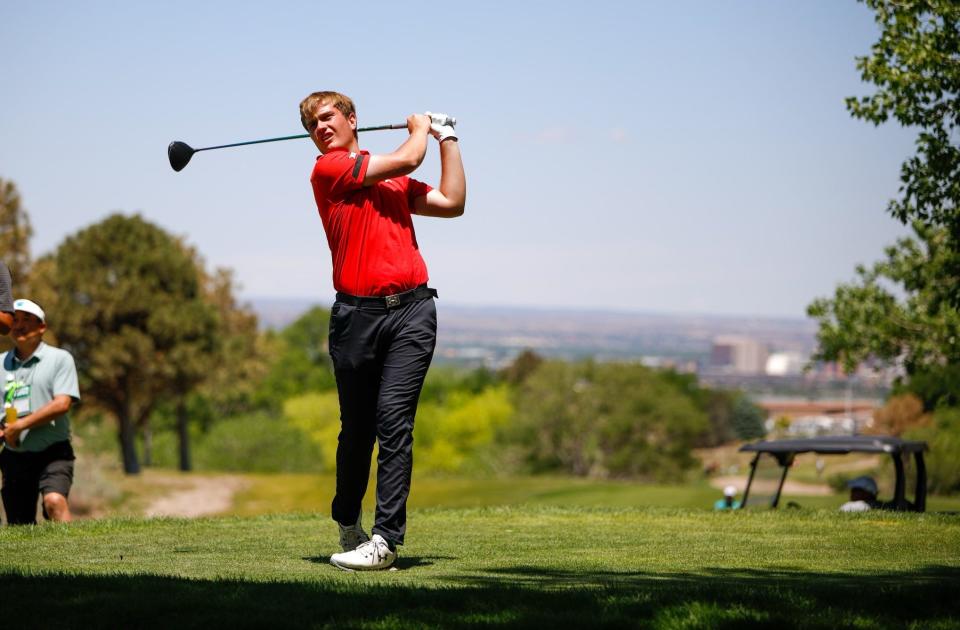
<point x="26" y="326"/>
<point x="330" y="129"/>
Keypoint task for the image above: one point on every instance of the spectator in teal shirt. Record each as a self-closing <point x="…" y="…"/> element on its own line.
<point x="40" y="384"/>
<point x="728" y="502"/>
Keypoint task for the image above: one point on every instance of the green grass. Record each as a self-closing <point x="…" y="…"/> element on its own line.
<point x="521" y="566"/>
<point x="268" y="494"/>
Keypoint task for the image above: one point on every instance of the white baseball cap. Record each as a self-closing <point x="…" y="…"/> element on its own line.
<point x="864" y="483"/>
<point x="730" y="491"/>
<point x="29" y="306"/>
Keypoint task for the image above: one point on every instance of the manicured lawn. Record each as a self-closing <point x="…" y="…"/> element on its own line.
<point x="521" y="566"/>
<point x="312" y="493"/>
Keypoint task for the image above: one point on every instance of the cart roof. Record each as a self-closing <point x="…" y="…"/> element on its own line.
<point x="838" y="444"/>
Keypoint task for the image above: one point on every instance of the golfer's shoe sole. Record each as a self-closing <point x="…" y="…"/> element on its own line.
<point x="341" y="567"/>
<point x="350" y="570"/>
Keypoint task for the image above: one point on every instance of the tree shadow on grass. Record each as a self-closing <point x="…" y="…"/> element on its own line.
<point x="520" y="596"/>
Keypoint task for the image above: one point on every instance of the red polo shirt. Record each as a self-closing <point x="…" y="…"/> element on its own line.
<point x="369" y="228"/>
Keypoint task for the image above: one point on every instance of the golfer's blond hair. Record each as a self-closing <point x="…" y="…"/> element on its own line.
<point x="338" y="100"/>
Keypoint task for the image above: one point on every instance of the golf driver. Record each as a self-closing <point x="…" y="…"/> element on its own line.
<point x="181" y="152"/>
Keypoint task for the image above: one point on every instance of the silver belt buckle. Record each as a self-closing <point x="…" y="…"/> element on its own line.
<point x="392" y="301"/>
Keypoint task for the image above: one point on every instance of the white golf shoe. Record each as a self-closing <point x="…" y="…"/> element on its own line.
<point x="370" y="556"/>
<point x="352" y="536"/>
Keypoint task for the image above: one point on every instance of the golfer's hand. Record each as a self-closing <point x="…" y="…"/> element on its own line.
<point x="442" y="126"/>
<point x="11" y="434"/>
<point x="418" y="123"/>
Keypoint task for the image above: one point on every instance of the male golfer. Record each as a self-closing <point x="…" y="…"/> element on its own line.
<point x="40" y="381"/>
<point x="383" y="325"/>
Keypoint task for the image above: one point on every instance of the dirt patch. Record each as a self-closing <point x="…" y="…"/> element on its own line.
<point x="196" y="496"/>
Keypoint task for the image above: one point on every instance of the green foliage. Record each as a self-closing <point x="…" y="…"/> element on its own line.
<point x="257" y="443"/>
<point x="444" y="381"/>
<point x="317" y="417"/>
<point x="456" y="435"/>
<point x="915" y="66"/>
<point x="936" y="386"/>
<point x="943" y="459"/>
<point x="15" y="234"/>
<point x="300" y="360"/>
<point x="605" y="420"/>
<point x="747" y="419"/>
<point x="125" y="298"/>
<point x="717" y="404"/>
<point x="893" y="312"/>
<point x="451" y="435"/>
<point x="525" y="364"/>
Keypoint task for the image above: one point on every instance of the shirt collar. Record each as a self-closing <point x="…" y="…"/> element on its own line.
<point x="33" y="358"/>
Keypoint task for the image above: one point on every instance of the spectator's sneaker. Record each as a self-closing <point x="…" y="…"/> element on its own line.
<point x="352" y="536"/>
<point x="371" y="555"/>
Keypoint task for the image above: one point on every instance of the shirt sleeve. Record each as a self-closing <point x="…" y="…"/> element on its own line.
<point x="339" y="172"/>
<point x="416" y="188"/>
<point x="65" y="378"/>
<point x="6" y="296"/>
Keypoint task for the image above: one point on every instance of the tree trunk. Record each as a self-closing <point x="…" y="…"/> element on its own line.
<point x="128" y="450"/>
<point x="183" y="436"/>
<point x="147" y="446"/>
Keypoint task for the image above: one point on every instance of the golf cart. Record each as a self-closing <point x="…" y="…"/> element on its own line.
<point x="784" y="451"/>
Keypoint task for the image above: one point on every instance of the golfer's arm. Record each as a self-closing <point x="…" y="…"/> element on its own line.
<point x="48" y="413"/>
<point x="449" y="199"/>
<point x="403" y="161"/>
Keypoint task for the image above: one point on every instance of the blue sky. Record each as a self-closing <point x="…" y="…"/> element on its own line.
<point x="688" y="157"/>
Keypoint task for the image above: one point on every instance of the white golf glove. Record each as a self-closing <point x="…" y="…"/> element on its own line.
<point x="442" y="126"/>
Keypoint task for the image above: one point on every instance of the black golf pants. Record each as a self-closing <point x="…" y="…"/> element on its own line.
<point x="380" y="358"/>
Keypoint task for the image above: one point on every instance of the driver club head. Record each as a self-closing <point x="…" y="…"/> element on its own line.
<point x="179" y="154"/>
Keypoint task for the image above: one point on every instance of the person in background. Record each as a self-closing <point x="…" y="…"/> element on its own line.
<point x="40" y="385"/>
<point x="728" y="502"/>
<point x="863" y="495"/>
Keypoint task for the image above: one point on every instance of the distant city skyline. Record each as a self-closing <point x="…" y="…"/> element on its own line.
<point x="687" y="157"/>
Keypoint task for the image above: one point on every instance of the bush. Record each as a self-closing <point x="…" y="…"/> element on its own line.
<point x="943" y="460"/>
<point x="257" y="443"/>
<point x="317" y="417"/>
<point x="457" y="435"/>
<point x="604" y="420"/>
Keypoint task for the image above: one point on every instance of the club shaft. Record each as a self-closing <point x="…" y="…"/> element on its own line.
<point x="303" y="135"/>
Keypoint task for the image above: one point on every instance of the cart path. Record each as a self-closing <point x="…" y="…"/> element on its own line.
<point x="770" y="485"/>
<point x="197" y="496"/>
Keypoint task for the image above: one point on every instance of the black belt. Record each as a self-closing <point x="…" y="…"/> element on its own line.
<point x="389" y="301"/>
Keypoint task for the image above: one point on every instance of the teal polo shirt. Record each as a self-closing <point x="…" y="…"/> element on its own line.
<point x="50" y="372"/>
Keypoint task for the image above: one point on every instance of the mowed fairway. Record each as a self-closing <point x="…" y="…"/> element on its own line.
<point x="522" y="566"/>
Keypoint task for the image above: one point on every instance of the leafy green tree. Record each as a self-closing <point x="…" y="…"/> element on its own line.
<point x="747" y="419"/>
<point x="125" y="298"/>
<point x="522" y="366"/>
<point x="943" y="438"/>
<point x="893" y="313"/>
<point x="217" y="374"/>
<point x="716" y="403"/>
<point x="915" y="66"/>
<point x="605" y="420"/>
<point x="15" y="234"/>
<point x="300" y="360"/>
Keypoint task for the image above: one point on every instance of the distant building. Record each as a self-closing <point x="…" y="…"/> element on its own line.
<point x="828" y="417"/>
<point x="785" y="364"/>
<point x="740" y="355"/>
